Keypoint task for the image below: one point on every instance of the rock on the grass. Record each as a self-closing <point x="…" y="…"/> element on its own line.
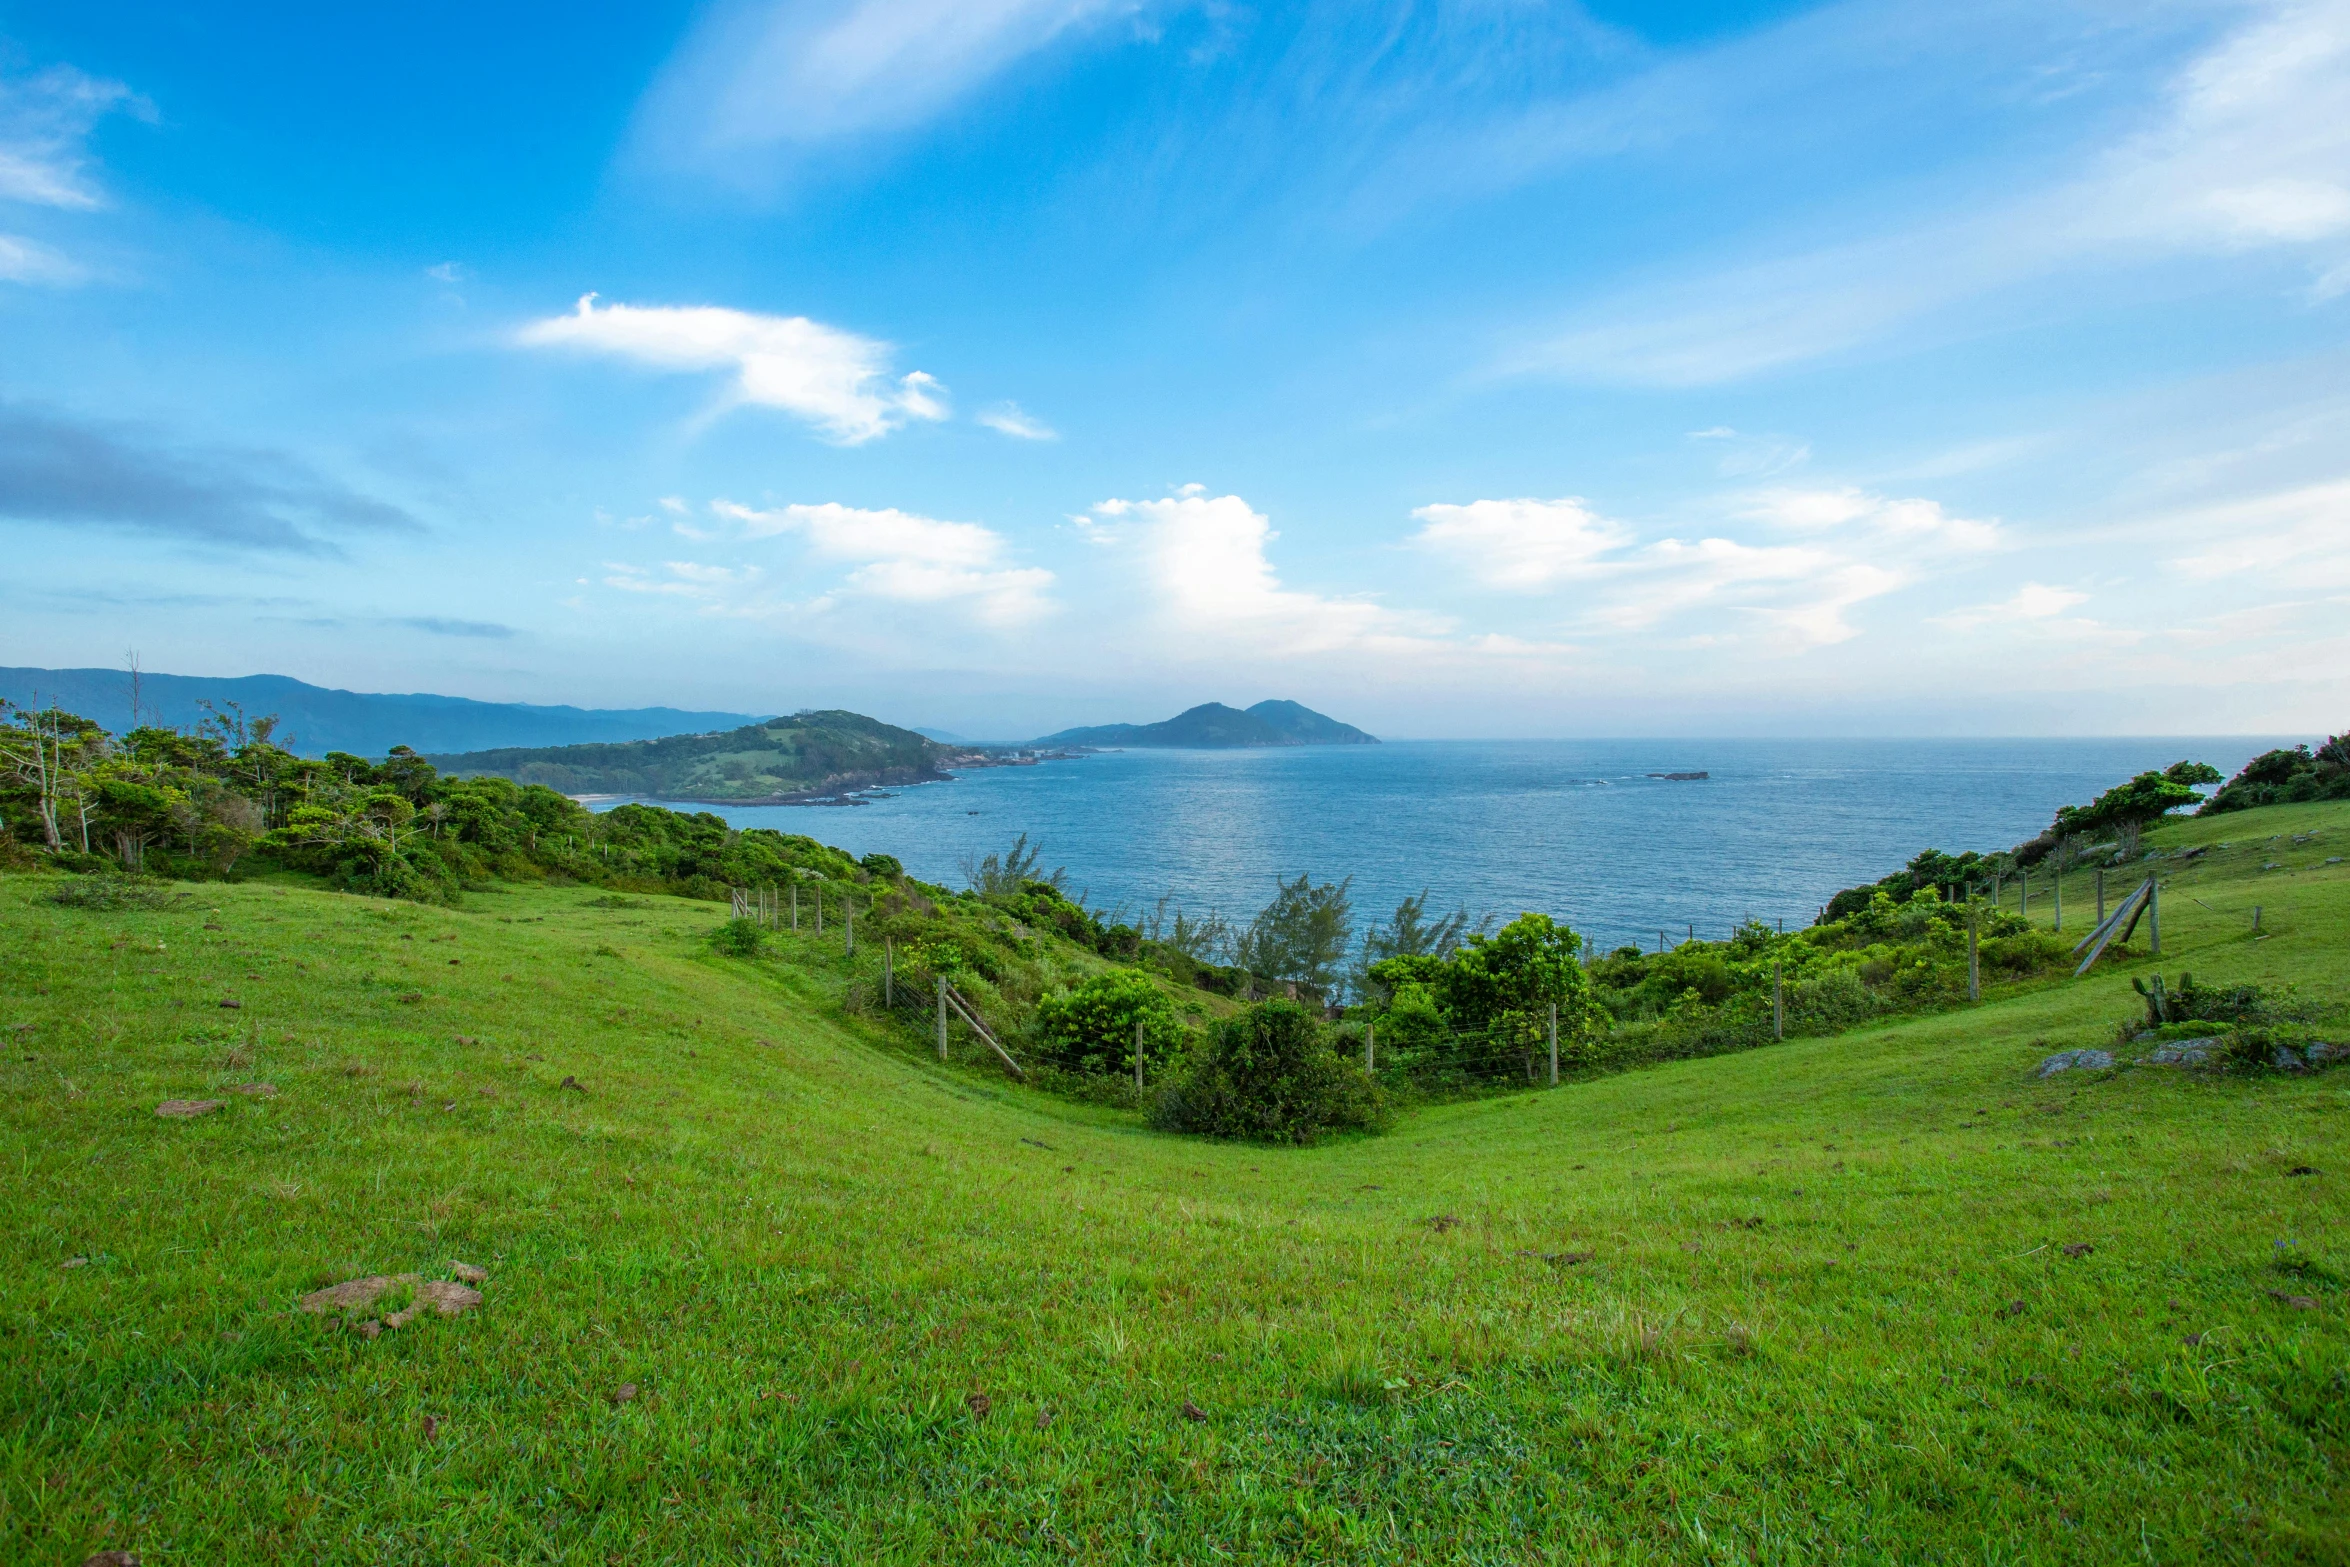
<point x="2076" y="1060"/>
<point x="2324" y="1054"/>
<point x="2182" y="1052"/>
<point x="187" y="1109"/>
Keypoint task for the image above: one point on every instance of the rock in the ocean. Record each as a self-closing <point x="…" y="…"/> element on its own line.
<point x="2071" y="1060"/>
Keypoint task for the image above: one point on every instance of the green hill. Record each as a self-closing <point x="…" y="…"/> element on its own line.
<point x="1213" y="726"/>
<point x="768" y="1281"/>
<point x="780" y="759"/>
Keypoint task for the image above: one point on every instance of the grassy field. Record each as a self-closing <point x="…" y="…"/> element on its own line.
<point x="1882" y="1297"/>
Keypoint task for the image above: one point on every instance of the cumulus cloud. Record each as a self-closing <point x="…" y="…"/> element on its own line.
<point x="72" y="473"/>
<point x="1012" y="420"/>
<point x="1858" y="546"/>
<point x="834" y="380"/>
<point x="1920" y="521"/>
<point x="905" y="557"/>
<point x="1522" y="546"/>
<point x="1205" y="557"/>
<point x="758" y="79"/>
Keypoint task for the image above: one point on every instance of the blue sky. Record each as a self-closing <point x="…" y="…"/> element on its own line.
<point x="1478" y="369"/>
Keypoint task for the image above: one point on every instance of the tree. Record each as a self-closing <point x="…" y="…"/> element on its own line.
<point x="1508" y="982"/>
<point x="43" y="751"/>
<point x="2145" y="798"/>
<point x="1301" y="936"/>
<point x="999" y="876"/>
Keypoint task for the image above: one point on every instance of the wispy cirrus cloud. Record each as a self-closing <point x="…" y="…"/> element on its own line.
<point x="836" y="381"/>
<point x="1013" y="420"/>
<point x="2246" y="150"/>
<point x="761" y="81"/>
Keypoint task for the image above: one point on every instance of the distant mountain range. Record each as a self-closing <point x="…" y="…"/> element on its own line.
<point x="772" y="762"/>
<point x="314" y="720"/>
<point x="1213" y="726"/>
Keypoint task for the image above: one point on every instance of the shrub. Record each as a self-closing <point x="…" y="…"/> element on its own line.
<point x="738" y="938"/>
<point x="107" y="893"/>
<point x="882" y="867"/>
<point x="1091" y="1027"/>
<point x="1268" y="1075"/>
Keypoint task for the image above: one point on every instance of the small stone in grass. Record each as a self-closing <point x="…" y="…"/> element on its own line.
<point x="231" y="1002"/>
<point x="467" y="1039"/>
<point x="625" y="1393"/>
<point x="467" y="1273"/>
<point x="1193" y="1412"/>
<point x="75" y="1262"/>
<point x="2079" y="1249"/>
<point x="256" y="1090"/>
<point x="979" y="1404"/>
<point x="186" y="1109"/>
<point x="432" y="1426"/>
<point x="2297" y="1302"/>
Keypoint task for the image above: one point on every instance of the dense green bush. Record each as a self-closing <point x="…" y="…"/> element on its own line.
<point x="738" y="938"/>
<point x="2285" y="777"/>
<point x="1091" y="1027"/>
<point x="1269" y="1074"/>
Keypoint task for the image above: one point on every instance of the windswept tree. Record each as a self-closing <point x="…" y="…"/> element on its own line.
<point x="1001" y="875"/>
<point x="1300" y="937"/>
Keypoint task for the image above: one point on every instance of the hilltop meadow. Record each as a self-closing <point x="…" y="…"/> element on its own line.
<point x="763" y="1279"/>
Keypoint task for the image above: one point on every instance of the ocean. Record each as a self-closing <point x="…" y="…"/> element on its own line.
<point x="1578" y="829"/>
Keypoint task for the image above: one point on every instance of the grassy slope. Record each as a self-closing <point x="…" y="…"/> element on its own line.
<point x="808" y="1252"/>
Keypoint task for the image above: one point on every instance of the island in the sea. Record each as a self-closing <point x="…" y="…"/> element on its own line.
<point x="1214" y="726"/>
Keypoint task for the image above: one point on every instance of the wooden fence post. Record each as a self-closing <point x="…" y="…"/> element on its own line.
<point x="942" y="1017"/>
<point x="2058" y="894"/>
<point x="795" y="905"/>
<point x="1974" y="967"/>
<point x="1778" y="1005"/>
<point x="2153" y="918"/>
<point x="2023" y="895"/>
<point x="2100" y="894"/>
<point x="1554" y="1044"/>
<point x="1138" y="1053"/>
<point x="1370" y="1045"/>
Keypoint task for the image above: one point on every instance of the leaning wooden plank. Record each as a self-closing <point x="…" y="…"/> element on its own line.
<point x="2133" y="900"/>
<point x="964" y="1008"/>
<point x="2103" y="925"/>
<point x="2145" y="902"/>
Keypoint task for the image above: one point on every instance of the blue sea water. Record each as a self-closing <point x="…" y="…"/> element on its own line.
<point x="1575" y="828"/>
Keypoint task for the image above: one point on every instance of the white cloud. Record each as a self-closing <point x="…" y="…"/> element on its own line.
<point x="2249" y="148"/>
<point x="1012" y="420"/>
<point x="1521" y="546"/>
<point x="1860" y="546"/>
<point x="1205" y="556"/>
<point x="837" y="381"/>
<point x="905" y="557"/>
<point x="2033" y="601"/>
<point x="1920" y="521"/>
<point x="449" y="272"/>
<point x="29" y="261"/>
<point x="2300" y="535"/>
<point x="758" y="77"/>
<point x="45" y="123"/>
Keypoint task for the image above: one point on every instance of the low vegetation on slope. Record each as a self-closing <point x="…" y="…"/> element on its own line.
<point x="767" y="1282"/>
<point x="807" y="753"/>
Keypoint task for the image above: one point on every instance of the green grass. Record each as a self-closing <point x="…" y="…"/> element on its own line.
<point x="809" y="1247"/>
